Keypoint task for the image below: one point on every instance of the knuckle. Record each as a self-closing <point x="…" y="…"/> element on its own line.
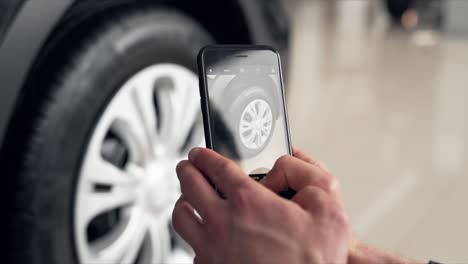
<point x="241" y="199"/>
<point x="224" y="165"/>
<point x="342" y="222"/>
<point x="322" y="165"/>
<point x="299" y="152"/>
<point x="317" y="196"/>
<point x="337" y="215"/>
<point x="314" y="192"/>
<point x="283" y="161"/>
<point x="329" y="183"/>
<point x="280" y="164"/>
<point x="311" y="191"/>
<point x="343" y="219"/>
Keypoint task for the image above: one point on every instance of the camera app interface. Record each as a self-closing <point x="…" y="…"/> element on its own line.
<point x="247" y="114"/>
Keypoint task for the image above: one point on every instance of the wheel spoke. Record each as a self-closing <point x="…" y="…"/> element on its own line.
<point x="250" y="138"/>
<point x="122" y="247"/>
<point x="180" y="107"/>
<point x="258" y="140"/>
<point x="267" y="119"/>
<point x="252" y="110"/>
<point x="96" y="202"/>
<point x="142" y="97"/>
<point x="166" y="113"/>
<point x="99" y="171"/>
<point x="131" y="124"/>
<point x="191" y="112"/>
<point x="160" y="239"/>
<point x="245" y="126"/>
<point x="136" y="243"/>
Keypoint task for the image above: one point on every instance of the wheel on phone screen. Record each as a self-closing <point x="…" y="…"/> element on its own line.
<point x="254" y="120"/>
<point x="98" y="181"/>
<point x="255" y="124"/>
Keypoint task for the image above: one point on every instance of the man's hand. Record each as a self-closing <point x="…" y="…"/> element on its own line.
<point x="253" y="224"/>
<point x="302" y="172"/>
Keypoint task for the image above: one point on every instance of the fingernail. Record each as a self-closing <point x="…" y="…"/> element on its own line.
<point x="193" y="154"/>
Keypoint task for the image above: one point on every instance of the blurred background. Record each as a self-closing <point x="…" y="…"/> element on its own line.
<point x="99" y="101"/>
<point x="383" y="100"/>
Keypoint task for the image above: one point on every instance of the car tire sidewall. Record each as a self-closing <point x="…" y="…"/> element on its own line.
<point x="44" y="224"/>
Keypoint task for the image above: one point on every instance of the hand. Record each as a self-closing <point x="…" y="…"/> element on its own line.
<point x="299" y="171"/>
<point x="302" y="172"/>
<point x="253" y="224"/>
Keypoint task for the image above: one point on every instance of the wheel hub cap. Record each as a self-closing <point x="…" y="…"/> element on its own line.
<point x="156" y="189"/>
<point x="123" y="202"/>
<point x="256" y="124"/>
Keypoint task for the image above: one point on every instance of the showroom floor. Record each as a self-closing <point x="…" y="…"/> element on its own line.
<point x="387" y="112"/>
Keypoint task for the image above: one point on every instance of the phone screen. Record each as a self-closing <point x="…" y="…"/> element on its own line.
<point x="247" y="113"/>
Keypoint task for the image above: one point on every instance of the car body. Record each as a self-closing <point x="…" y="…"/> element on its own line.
<point x="28" y="27"/>
<point x="66" y="68"/>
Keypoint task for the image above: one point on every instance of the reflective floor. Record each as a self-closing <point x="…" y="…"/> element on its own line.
<point x="387" y="112"/>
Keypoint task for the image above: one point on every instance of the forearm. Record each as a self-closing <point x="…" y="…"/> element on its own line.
<point x="364" y="254"/>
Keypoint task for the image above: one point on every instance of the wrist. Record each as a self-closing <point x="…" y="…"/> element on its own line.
<point x="361" y="253"/>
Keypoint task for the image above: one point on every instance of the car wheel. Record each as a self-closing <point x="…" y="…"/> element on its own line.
<point x="254" y="120"/>
<point x="98" y="184"/>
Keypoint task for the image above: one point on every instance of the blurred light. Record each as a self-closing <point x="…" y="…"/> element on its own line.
<point x="425" y="38"/>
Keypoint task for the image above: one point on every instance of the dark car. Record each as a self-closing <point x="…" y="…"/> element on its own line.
<point x="413" y="14"/>
<point x="98" y="102"/>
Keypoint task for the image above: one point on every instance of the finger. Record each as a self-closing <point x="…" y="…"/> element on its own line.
<point x="224" y="173"/>
<point x="292" y="173"/>
<point x="196" y="189"/>
<point x="188" y="225"/>
<point x="311" y="198"/>
<point x="309" y="159"/>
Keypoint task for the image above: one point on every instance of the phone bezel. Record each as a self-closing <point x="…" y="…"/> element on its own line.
<point x="204" y="94"/>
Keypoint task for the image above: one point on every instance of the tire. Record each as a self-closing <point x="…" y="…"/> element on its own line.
<point x="256" y="96"/>
<point x="43" y="225"/>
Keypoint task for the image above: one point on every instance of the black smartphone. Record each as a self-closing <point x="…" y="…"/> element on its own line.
<point x="243" y="105"/>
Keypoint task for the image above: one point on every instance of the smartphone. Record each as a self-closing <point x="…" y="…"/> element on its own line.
<point x="243" y="105"/>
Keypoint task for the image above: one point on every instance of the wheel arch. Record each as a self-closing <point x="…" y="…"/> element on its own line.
<point x="43" y="28"/>
<point x="232" y="91"/>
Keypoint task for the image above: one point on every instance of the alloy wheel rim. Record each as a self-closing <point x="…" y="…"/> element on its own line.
<point x="127" y="185"/>
<point x="255" y="124"/>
